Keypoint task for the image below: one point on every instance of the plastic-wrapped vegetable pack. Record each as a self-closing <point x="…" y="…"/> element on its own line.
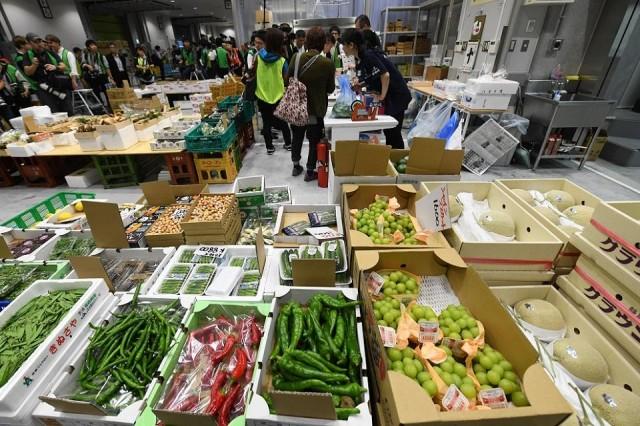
<point x="216" y="365"/>
<point x="124" y="354"/>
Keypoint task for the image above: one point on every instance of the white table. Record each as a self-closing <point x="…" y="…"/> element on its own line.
<point x="344" y="129"/>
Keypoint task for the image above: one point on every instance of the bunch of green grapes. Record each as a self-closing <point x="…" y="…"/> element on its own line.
<point x="367" y="223"/>
<point x="453" y="372"/>
<point x="425" y="313"/>
<point x="404" y="362"/>
<point x="387" y="312"/>
<point x="493" y="370"/>
<point x="457" y="323"/>
<point x="398" y="283"/>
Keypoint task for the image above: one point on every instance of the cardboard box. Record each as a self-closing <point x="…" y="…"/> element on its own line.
<point x="606" y="301"/>
<point x="398" y="154"/>
<point x="161" y="193"/>
<point x="361" y="196"/>
<point x="534" y="248"/>
<point x="598" y="146"/>
<point x="264" y="17"/>
<point x="615" y="232"/>
<point x="623" y="371"/>
<point x="400" y="396"/>
<point x="249" y="198"/>
<point x="291" y="213"/>
<point x="473" y="100"/>
<point x="12" y="237"/>
<point x="437" y="73"/>
<point x="301" y="408"/>
<point x="510" y="278"/>
<point x="568" y="255"/>
<point x="427" y="156"/>
<point x="230" y="217"/>
<point x="358" y="163"/>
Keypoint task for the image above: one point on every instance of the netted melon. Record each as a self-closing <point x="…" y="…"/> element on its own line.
<point x="525" y="195"/>
<point x="540" y="313"/>
<point x="616" y="405"/>
<point x="581" y="359"/>
<point x="497" y="222"/>
<point x="579" y="214"/>
<point x="561" y="200"/>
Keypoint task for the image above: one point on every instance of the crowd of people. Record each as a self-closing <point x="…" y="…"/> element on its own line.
<point x="44" y="71"/>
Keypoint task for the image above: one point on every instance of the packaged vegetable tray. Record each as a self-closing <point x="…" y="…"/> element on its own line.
<point x="213" y="372"/>
<point x="130" y="351"/>
<point x="15" y="277"/>
<point x="54" y="316"/>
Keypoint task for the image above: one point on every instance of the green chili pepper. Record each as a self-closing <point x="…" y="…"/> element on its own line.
<point x="344" y="413"/>
<point x="298" y="369"/>
<point x="322" y="342"/>
<point x="335" y="352"/>
<point x="338" y="337"/>
<point x="326" y="363"/>
<point x="282" y="327"/>
<point x="336" y="303"/>
<point x="297" y="326"/>
<point x="354" y="390"/>
<point x="336" y="400"/>
<point x="352" y="341"/>
<point x="333" y="317"/>
<point x="308" y="359"/>
<point x="299" y="386"/>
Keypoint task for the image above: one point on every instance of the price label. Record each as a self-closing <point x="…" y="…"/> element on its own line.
<point x="428" y="331"/>
<point x="454" y="400"/>
<point x="209" y="251"/>
<point x="179" y="214"/>
<point x="374" y="282"/>
<point x="493" y="398"/>
<point x="388" y="335"/>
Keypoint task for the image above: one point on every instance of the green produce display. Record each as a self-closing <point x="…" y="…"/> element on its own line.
<point x="277" y="195"/>
<point x="199" y="279"/>
<point x="454" y="372"/>
<point x="311" y="252"/>
<point x="250" y="264"/>
<point x="174" y="279"/>
<point x="29" y="326"/>
<point x="384" y="226"/>
<point x="123" y="355"/>
<point x="399" y="283"/>
<point x="286" y="258"/>
<point x="237" y="262"/>
<point x="316" y="350"/>
<point x="250" y="189"/>
<point x="387" y="311"/>
<point x="401" y="164"/>
<point x="492" y="371"/>
<point x="15" y="278"/>
<point x="456" y="322"/>
<point x="189" y="256"/>
<point x="333" y="250"/>
<point x="68" y="247"/>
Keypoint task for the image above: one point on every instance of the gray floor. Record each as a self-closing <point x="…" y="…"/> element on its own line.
<point x="622" y="183"/>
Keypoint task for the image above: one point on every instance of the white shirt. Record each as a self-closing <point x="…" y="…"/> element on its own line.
<point x="71" y="58"/>
<point x="116" y="58"/>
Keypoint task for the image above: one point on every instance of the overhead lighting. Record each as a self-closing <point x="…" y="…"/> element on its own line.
<point x="195" y="8"/>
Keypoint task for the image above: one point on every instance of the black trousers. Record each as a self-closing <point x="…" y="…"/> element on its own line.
<point x="120" y="77"/>
<point x="270" y="121"/>
<point x="185" y="71"/>
<point x="394" y="135"/>
<point x="55" y="103"/>
<point x="221" y="72"/>
<point x="314" y="133"/>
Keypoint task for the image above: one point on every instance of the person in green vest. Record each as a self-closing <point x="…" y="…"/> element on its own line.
<point x="222" y="59"/>
<point x="96" y="70"/>
<point x="77" y="52"/>
<point x="187" y="60"/>
<point x="14" y="90"/>
<point x="143" y="67"/>
<point x="68" y="58"/>
<point x="25" y="52"/>
<point x="205" y="59"/>
<point x="271" y="72"/>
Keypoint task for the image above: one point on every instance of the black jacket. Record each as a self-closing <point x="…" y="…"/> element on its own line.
<point x="113" y="67"/>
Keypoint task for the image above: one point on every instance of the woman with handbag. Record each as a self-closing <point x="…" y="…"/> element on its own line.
<point x="317" y="73"/>
<point x="271" y="69"/>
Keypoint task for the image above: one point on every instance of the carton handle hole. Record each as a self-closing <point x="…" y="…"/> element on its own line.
<point x="504" y="207"/>
<point x="638" y="245"/>
<point x="619" y="296"/>
<point x="528" y="229"/>
<point x="576" y="330"/>
<point x="403" y="265"/>
<point x="628" y="387"/>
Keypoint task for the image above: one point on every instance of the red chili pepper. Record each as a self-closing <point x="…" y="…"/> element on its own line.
<point x="256" y="334"/>
<point x="187" y="404"/>
<point x="228" y="345"/>
<point x="217" y="396"/>
<point x="177" y="384"/>
<point x="223" y="322"/>
<point x="225" y="412"/>
<point x="241" y="365"/>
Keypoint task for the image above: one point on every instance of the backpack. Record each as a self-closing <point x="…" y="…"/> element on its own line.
<point x="293" y="105"/>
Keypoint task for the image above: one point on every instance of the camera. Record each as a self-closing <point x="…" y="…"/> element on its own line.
<point x="54" y="92"/>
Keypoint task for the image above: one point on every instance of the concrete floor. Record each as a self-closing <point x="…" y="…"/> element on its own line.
<point x="277" y="171"/>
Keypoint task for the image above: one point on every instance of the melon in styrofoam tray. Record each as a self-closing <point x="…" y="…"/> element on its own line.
<point x="27" y="243"/>
<point x="18" y="396"/>
<point x="70" y="412"/>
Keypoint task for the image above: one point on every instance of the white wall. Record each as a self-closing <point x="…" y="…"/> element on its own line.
<point x="25" y="16"/>
<point x="160" y="30"/>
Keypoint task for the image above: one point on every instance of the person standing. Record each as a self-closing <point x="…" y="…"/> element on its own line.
<point x="299" y="43"/>
<point x="336" y="51"/>
<point x="270" y="76"/>
<point x="24" y="50"/>
<point x="96" y="71"/>
<point x="222" y="59"/>
<point x="14" y="90"/>
<point x="143" y="67"/>
<point x="257" y="43"/>
<point x="68" y="58"/>
<point x="363" y="23"/>
<point x="157" y="59"/>
<point x="375" y="72"/>
<point x="187" y="60"/>
<point x="317" y="73"/>
<point x="117" y="65"/>
<point x="205" y="59"/>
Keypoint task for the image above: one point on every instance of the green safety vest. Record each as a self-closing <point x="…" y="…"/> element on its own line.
<point x="33" y="85"/>
<point x="65" y="61"/>
<point x="270" y="84"/>
<point x="99" y="60"/>
<point x="187" y="56"/>
<point x="11" y="73"/>
<point x="142" y="61"/>
<point x="335" y="56"/>
<point x="204" y="57"/>
<point x="222" y="58"/>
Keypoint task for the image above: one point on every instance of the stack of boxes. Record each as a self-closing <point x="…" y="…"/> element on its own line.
<point x="118" y="97"/>
<point x="397" y="26"/>
<point x="224" y="231"/>
<point x="254" y="197"/>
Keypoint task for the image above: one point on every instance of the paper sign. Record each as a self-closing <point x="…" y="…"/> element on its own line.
<point x="388" y="336"/>
<point x="324" y="233"/>
<point x="210" y="251"/>
<point x="428" y="331"/>
<point x="493" y="398"/>
<point x="432" y="211"/>
<point x="454" y="400"/>
<point x="374" y="282"/>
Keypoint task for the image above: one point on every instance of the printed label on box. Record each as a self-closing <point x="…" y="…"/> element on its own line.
<point x="388" y="335"/>
<point x="454" y="400"/>
<point x="493" y="398"/>
<point x="375" y="282"/>
<point x="209" y="251"/>
<point x="428" y="331"/>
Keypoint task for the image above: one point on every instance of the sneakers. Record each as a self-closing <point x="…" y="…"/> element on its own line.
<point x="310" y="175"/>
<point x="271" y="150"/>
<point x="287" y="147"/>
<point x="297" y="170"/>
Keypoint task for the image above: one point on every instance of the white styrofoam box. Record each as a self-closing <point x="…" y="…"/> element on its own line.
<point x="146" y="134"/>
<point x="120" y="139"/>
<point x="280" y="237"/>
<point x="92" y="143"/>
<point x="248" y="182"/>
<point x="10" y="234"/>
<point x="30" y="149"/>
<point x="186" y="121"/>
<point x="19" y="396"/>
<point x="225" y="280"/>
<point x="35" y="111"/>
<point x="60" y="116"/>
<point x="258" y="413"/>
<point x="449" y="87"/>
<point x="163" y="145"/>
<point x="484" y="101"/>
<point x="62" y="139"/>
<point x="52" y="221"/>
<point x="185" y="106"/>
<point x="17" y="123"/>
<point x="491" y="86"/>
<point x="83" y="178"/>
<point x="65" y="383"/>
<point x="45" y="251"/>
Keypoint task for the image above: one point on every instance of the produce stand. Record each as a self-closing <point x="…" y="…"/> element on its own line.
<point x="345" y="129"/>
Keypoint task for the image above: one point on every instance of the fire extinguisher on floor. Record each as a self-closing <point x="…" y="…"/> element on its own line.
<point x="323" y="149"/>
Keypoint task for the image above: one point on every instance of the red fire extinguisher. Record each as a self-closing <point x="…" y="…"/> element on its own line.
<point x="322" y="151"/>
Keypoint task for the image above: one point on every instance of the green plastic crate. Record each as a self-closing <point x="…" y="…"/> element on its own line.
<point x="116" y="170"/>
<point x="197" y="142"/>
<point x="247" y="111"/>
<point x="228" y="103"/>
<point x="38" y="212"/>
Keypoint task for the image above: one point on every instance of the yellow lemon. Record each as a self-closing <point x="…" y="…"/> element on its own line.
<point x="64" y="216"/>
<point x="79" y="207"/>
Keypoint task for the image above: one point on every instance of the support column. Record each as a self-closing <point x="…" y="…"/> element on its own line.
<point x="238" y="22"/>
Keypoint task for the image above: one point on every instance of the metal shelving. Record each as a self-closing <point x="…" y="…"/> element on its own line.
<point x="385" y="22"/>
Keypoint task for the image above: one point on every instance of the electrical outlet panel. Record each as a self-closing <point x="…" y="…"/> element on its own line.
<point x="458" y="47"/>
<point x="493" y="47"/>
<point x="524" y="46"/>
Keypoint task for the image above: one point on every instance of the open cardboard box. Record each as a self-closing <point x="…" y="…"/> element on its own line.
<point x="399" y="154"/>
<point x="11" y="236"/>
<point x="361" y="196"/>
<point x="218" y="228"/>
<point x="534" y="248"/>
<point x="606" y="301"/>
<point x="292" y="213"/>
<point x="568" y="255"/>
<point x="196" y="318"/>
<point x="162" y="193"/>
<point x="511" y="278"/>
<point x="427" y="156"/>
<point x="301" y="408"/>
<point x="615" y="232"/>
<point x="249" y="198"/>
<point x="402" y="400"/>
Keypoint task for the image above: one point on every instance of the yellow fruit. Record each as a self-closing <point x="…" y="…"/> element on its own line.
<point x="579" y="214"/>
<point x="64" y="216"/>
<point x="497" y="222"/>
<point x="78" y="206"/>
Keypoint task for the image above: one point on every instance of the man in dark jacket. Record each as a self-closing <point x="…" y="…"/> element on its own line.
<point x="117" y="65"/>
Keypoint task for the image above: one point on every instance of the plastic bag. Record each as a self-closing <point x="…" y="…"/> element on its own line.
<point x="429" y="123"/>
<point x="449" y="127"/>
<point x="513" y="122"/>
<point x="342" y="107"/>
<point x="455" y="140"/>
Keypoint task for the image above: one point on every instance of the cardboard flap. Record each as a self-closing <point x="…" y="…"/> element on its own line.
<point x="5" y="252"/>
<point x="345" y="157"/>
<point x="371" y="160"/>
<point x="158" y="193"/>
<point x="425" y="155"/>
<point x="366" y="259"/>
<point x="304" y="404"/>
<point x="75" y="407"/>
<point x="106" y="224"/>
<point x="90" y="267"/>
<point x="314" y="272"/>
<point x="451" y="162"/>
<point x="260" y="251"/>
<point x="450" y="256"/>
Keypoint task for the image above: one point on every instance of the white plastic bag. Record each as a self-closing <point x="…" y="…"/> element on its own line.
<point x="455" y="140"/>
<point x="429" y="122"/>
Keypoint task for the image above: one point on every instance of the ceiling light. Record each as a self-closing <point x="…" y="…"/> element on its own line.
<point x="195" y="8"/>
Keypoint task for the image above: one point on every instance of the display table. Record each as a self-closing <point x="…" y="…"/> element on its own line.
<point x="140" y="148"/>
<point x="345" y="129"/>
